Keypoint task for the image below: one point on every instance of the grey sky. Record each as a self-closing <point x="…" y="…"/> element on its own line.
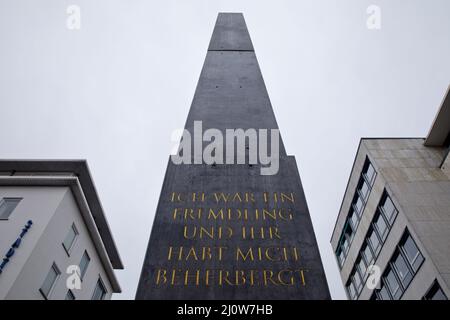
<point x="113" y="92"/>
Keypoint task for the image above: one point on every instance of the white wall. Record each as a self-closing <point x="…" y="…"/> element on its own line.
<point x="53" y="210"/>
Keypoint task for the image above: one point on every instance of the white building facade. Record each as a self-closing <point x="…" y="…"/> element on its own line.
<point x="55" y="242"/>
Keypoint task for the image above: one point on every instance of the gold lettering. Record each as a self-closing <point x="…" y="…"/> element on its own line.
<point x="161" y="274"/>
<point x="244" y="257"/>
<point x="215" y="216"/>
<point x="187" y="276"/>
<point x="185" y="233"/>
<point x="274" y="232"/>
<point x="268" y="278"/>
<point x="291" y="278"/>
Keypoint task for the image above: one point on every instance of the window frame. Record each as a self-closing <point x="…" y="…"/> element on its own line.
<point x="55" y="268"/>
<point x="351" y="285"/>
<point x="392" y="267"/>
<point x="378" y="215"/>
<point x="70" y="294"/>
<point x="362" y="253"/>
<point x="83" y="271"/>
<point x="400" y="290"/>
<point x="366" y="166"/>
<point x="357" y="195"/>
<point x="435" y="286"/>
<point x="384" y="198"/>
<point x="384" y="286"/>
<point x="397" y="254"/>
<point x="368" y="244"/>
<point x="362" y="274"/>
<point x="102" y="285"/>
<point x="376" y="251"/>
<point x="69" y="250"/>
<point x="401" y="245"/>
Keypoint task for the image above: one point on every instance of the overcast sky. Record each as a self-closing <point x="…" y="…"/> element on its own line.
<point x="113" y="91"/>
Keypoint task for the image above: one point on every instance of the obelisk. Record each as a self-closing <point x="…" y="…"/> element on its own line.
<point x="226" y="231"/>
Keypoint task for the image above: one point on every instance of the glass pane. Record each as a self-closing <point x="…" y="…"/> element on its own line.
<point x="70" y="238"/>
<point x="84" y="263"/>
<point x="394" y="286"/>
<point x="49" y="281"/>
<point x="7" y="206"/>
<point x="367" y="254"/>
<point x="359" y="205"/>
<point x="348" y="233"/>
<point x="99" y="292"/>
<point x="389" y="210"/>
<point x="380" y="225"/>
<point x="353" y="218"/>
<point x="341" y="257"/>
<point x="374" y="242"/>
<point x="402" y="270"/>
<point x="370" y="173"/>
<point x="351" y="291"/>
<point x="436" y="293"/>
<point x="345" y="245"/>
<point x="383" y="293"/>
<point x="364" y="190"/>
<point x="362" y="268"/>
<point x="413" y="254"/>
<point x="70" y="296"/>
<point x="357" y="282"/>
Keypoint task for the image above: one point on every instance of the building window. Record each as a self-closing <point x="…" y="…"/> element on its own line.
<point x="369" y="172"/>
<point x="358" y="205"/>
<point x="70" y="295"/>
<point x="344" y="243"/>
<point x="380" y="226"/>
<point x="388" y="208"/>
<point x="351" y="290"/>
<point x="364" y="189"/>
<point x="374" y="241"/>
<point x="435" y="293"/>
<point x="393" y="284"/>
<point x="360" y="198"/>
<point x="401" y="267"/>
<point x="50" y="280"/>
<point x="7" y="206"/>
<point x="362" y="268"/>
<point x="412" y="253"/>
<point x="340" y="256"/>
<point x="99" y="291"/>
<point x="70" y="238"/>
<point x="84" y="263"/>
<point x="383" y="293"/>
<point x="367" y="254"/>
<point x="353" y="218"/>
<point x="357" y="281"/>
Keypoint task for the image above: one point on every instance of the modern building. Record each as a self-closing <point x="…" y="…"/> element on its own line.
<point x="395" y="215"/>
<point x="54" y="238"/>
